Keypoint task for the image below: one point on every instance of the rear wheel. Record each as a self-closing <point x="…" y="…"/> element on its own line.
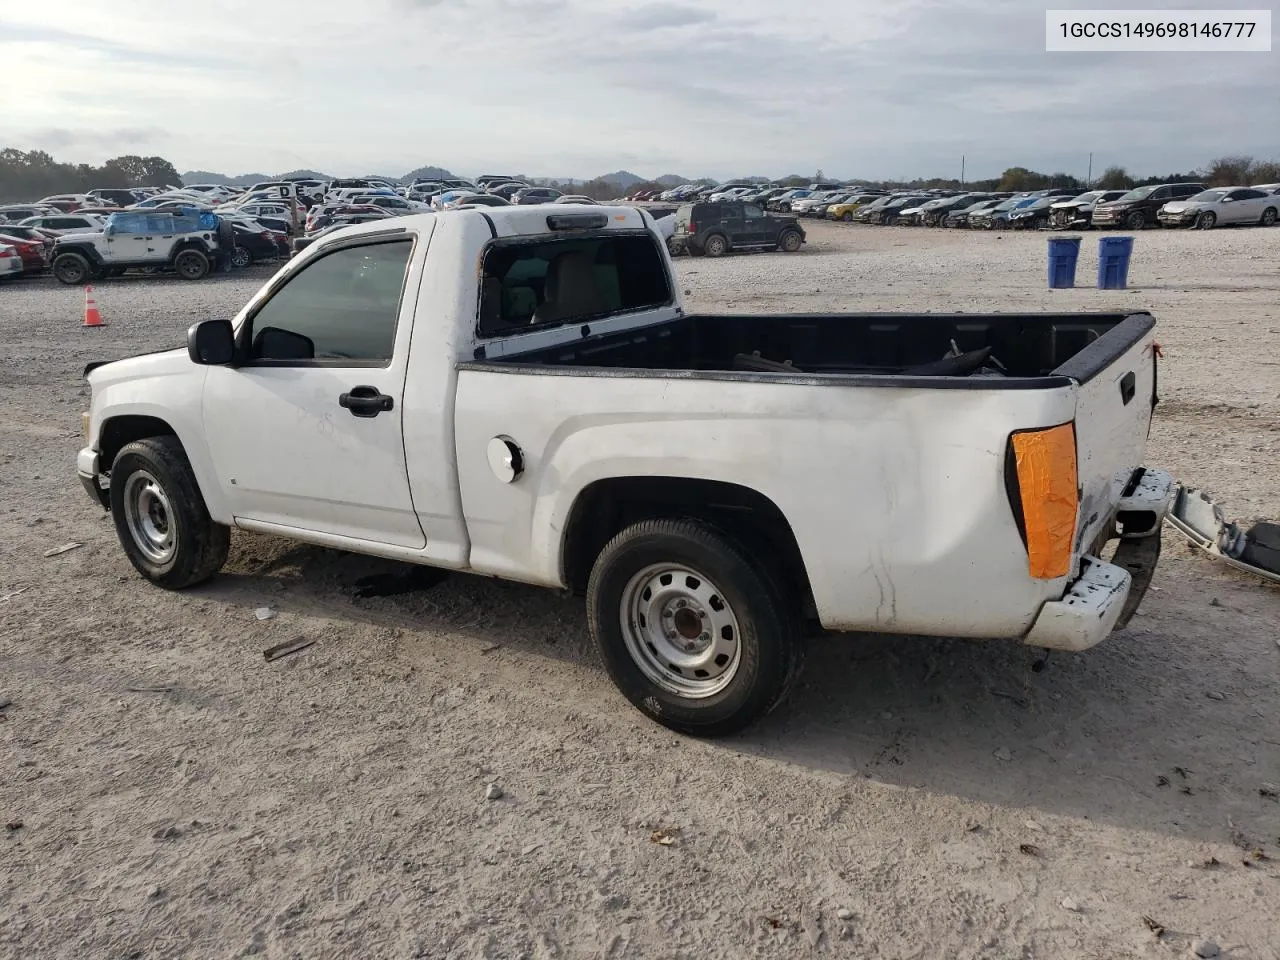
<point x="1135" y="220"/>
<point x="1269" y="217"/>
<point x="695" y="633"/>
<point x="191" y="265"/>
<point x="71" y="269"/>
<point x="790" y="241"/>
<point x="715" y="246"/>
<point x="1206" y="220"/>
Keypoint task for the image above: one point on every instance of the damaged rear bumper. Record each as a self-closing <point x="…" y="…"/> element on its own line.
<point x="1106" y="595"/>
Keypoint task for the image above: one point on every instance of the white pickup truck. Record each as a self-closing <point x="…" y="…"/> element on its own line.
<point x="519" y="393"/>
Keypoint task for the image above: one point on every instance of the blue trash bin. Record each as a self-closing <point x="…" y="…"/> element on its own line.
<point x="1113" y="262"/>
<point x="1063" y="254"/>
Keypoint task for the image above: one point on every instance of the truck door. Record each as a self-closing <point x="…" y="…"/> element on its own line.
<point x="307" y="433"/>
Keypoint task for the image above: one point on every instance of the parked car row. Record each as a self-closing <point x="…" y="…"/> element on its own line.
<point x="1169" y="205"/>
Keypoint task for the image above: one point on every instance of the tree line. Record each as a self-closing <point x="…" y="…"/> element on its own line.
<point x="27" y="176"/>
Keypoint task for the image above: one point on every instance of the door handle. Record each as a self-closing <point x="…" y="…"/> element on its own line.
<point x="366" y="401"/>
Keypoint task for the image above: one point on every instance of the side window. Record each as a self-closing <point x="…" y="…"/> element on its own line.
<point x="553" y="282"/>
<point x="1188" y="190"/>
<point x="343" y="306"/>
<point x="751" y="211"/>
<point x="1248" y="194"/>
<point x="129" y="222"/>
<point x="1161" y="193"/>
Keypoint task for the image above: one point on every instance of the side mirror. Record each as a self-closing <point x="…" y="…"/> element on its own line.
<point x="1228" y="199"/>
<point x="211" y="343"/>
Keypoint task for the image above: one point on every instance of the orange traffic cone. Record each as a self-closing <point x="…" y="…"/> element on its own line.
<point x="92" y="317"/>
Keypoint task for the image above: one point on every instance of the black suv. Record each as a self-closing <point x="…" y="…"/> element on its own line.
<point x="1139" y="206"/>
<point x="716" y="228"/>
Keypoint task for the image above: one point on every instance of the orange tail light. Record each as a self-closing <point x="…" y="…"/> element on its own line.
<point x="1047" y="485"/>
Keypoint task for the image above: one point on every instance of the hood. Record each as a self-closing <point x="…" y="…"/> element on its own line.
<point x="1180" y="206"/>
<point x="159" y="363"/>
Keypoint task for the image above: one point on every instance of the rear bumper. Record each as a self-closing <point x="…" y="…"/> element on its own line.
<point x="1106" y="595"/>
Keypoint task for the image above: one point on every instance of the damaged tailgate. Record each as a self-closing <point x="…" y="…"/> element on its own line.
<point x="1116" y="373"/>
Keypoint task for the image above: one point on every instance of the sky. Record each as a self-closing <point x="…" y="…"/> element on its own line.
<point x="560" y="88"/>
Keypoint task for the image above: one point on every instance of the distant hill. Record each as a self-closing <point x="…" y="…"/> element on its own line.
<point x="205" y="176"/>
<point x="303" y="175"/>
<point x="427" y="173"/>
<point x="624" y="179"/>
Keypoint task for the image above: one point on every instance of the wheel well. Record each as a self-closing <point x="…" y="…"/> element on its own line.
<point x="184" y="245"/>
<point x="85" y="250"/>
<point x="117" y="432"/>
<point x="608" y="506"/>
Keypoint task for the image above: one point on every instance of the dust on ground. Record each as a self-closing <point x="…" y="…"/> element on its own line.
<point x="181" y="797"/>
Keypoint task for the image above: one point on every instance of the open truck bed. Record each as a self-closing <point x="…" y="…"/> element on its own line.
<point x="1010" y="351"/>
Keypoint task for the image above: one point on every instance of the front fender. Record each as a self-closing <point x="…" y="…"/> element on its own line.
<point x="174" y="397"/>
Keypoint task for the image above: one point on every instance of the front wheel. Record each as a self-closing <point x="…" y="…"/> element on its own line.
<point x="695" y="633"/>
<point x="161" y="517"/>
<point x="1135" y="220"/>
<point x="1206" y="220"/>
<point x="847" y="216"/>
<point x="790" y="242"/>
<point x="241" y="258"/>
<point x="71" y="269"/>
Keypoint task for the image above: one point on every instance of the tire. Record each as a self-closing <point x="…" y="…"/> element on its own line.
<point x="1135" y="221"/>
<point x="161" y="517"/>
<point x="690" y="575"/>
<point x="72" y="269"/>
<point x="191" y="265"/>
<point x="847" y="216"/>
<point x="715" y="246"/>
<point x="790" y="241"/>
<point x="1269" y="217"/>
<point x="241" y="258"/>
<point x="1206" y="220"/>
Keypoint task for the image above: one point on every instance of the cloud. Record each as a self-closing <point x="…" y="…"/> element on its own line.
<point x="659" y="16"/>
<point x="577" y="87"/>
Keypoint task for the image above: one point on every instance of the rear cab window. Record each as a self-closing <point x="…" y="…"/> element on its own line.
<point x="548" y="282"/>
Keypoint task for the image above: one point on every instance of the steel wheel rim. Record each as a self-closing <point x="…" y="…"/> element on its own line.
<point x="680" y="630"/>
<point x="149" y="517"/>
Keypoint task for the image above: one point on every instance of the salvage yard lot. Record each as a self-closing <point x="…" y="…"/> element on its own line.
<point x="179" y="796"/>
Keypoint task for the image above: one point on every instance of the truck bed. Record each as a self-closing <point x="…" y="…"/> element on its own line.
<point x="994" y="350"/>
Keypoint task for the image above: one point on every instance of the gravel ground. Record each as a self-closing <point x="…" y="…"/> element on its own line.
<point x="180" y="797"/>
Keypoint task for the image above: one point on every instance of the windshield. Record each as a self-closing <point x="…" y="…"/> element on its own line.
<point x="1009" y="204"/>
<point x="1141" y="193"/>
<point x="1207" y="196"/>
